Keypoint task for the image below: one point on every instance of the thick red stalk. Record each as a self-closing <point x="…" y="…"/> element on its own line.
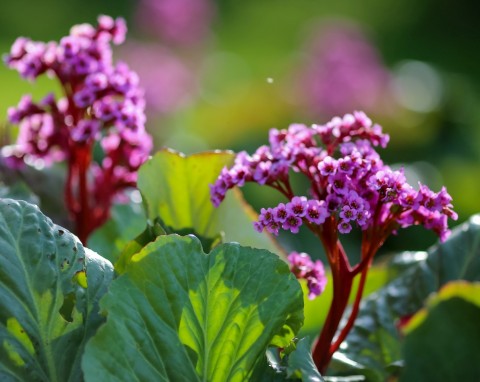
<point x="342" y="285"/>
<point x="85" y="218"/>
<point x="353" y="315"/>
<point x="77" y="192"/>
<point x="342" y="279"/>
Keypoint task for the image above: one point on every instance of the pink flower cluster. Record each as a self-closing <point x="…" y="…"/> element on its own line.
<point x="302" y="266"/>
<point x="349" y="182"/>
<point x="102" y="102"/>
<point x="290" y="216"/>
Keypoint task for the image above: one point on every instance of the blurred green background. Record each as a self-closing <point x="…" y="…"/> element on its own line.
<point x="219" y="74"/>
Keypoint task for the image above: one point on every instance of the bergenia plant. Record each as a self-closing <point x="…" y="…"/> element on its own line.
<point x="349" y="186"/>
<point x="101" y="106"/>
<point x="187" y="308"/>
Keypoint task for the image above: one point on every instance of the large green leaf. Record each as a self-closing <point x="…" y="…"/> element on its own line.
<point x="181" y="315"/>
<point x="373" y="347"/>
<point x="442" y="342"/>
<point x="49" y="291"/>
<point x="175" y="188"/>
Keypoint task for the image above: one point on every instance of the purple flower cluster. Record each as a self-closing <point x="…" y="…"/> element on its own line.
<point x="302" y="266"/>
<point x="349" y="182"/>
<point x="103" y="102"/>
<point x="85" y="51"/>
<point x="290" y="216"/>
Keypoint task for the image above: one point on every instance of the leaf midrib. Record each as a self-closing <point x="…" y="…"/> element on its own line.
<point x="43" y="331"/>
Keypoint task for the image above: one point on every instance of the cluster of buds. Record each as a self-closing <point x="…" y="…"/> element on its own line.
<point x="290" y="216"/>
<point x="102" y="103"/>
<point x="302" y="266"/>
<point x="349" y="183"/>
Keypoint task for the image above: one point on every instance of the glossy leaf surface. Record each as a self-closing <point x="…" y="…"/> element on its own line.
<point x="179" y="314"/>
<point x="125" y="222"/>
<point x="175" y="188"/>
<point x="49" y="291"/>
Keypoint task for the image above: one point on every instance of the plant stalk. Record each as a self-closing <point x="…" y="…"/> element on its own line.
<point x="342" y="277"/>
<point x="77" y="193"/>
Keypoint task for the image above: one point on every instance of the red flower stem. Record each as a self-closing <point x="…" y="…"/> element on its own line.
<point x="69" y="198"/>
<point x="364" y="263"/>
<point x="342" y="279"/>
<point x="85" y="218"/>
<point x="342" y="286"/>
<point x="353" y="315"/>
<point x="104" y="193"/>
<point x="78" y="202"/>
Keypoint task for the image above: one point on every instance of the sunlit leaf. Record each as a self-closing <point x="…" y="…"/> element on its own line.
<point x="175" y="191"/>
<point x="179" y="314"/>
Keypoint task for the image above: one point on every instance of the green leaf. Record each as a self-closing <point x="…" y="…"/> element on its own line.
<point x="442" y="339"/>
<point x="125" y="223"/>
<point x="134" y="246"/>
<point x="294" y="363"/>
<point x="373" y="347"/>
<point x="175" y="189"/>
<point x="150" y="234"/>
<point x="300" y="363"/>
<point x="178" y="314"/>
<point x="49" y="291"/>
